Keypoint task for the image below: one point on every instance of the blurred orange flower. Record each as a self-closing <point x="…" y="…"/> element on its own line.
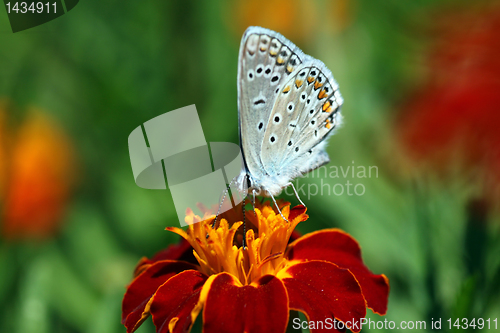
<point x="3" y="147"/>
<point x="453" y="120"/>
<point x="38" y="172"/>
<point x="297" y="20"/>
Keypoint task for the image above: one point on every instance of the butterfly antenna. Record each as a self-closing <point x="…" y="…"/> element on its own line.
<point x="279" y="210"/>
<point x="296" y="193"/>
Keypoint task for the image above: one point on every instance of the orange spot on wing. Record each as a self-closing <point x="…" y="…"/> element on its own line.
<point x="299" y="83"/>
<point x="326" y="106"/>
<point x="322" y="94"/>
<point x="317" y="85"/>
<point x="289" y="68"/>
<point x="310" y="79"/>
<point x="280" y="60"/>
<point x="287" y="89"/>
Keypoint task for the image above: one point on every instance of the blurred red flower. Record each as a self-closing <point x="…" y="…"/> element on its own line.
<point x="38" y="169"/>
<point x="252" y="290"/>
<point x="453" y="119"/>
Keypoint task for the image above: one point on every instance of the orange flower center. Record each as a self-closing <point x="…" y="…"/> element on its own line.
<point x="266" y="237"/>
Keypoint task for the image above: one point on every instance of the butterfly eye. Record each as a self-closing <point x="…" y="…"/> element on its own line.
<point x="290" y="143"/>
<point x="313" y="122"/>
<point x="260" y="126"/>
<point x="290" y="107"/>
<point x="277" y="119"/>
<point x="303" y="97"/>
<point x="296" y="149"/>
<point x="273" y="139"/>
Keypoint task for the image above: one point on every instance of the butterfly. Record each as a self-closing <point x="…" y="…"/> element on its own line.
<point x="288" y="106"/>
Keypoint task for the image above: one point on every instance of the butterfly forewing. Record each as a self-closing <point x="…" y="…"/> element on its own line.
<point x="266" y="60"/>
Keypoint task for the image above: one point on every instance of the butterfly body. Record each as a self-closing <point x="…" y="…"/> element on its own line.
<point x="288" y="105"/>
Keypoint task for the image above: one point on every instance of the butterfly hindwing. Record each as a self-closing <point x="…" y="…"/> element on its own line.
<point x="304" y="114"/>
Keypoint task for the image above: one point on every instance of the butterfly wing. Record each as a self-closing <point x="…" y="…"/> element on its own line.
<point x="266" y="61"/>
<point x="306" y="112"/>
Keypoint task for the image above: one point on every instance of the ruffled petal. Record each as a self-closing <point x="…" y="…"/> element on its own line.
<point x="174" y="306"/>
<point x="230" y="307"/>
<point x="323" y="291"/>
<point x="296" y="212"/>
<point x="136" y="302"/>
<point x="180" y="251"/>
<point x="338" y="247"/>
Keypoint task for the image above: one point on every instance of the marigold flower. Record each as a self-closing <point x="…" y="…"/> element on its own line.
<point x="253" y="290"/>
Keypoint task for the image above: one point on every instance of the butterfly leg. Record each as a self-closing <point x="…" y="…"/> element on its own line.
<point x="296" y="194"/>
<point x="244" y="242"/>
<point x="279" y="210"/>
<point x="253" y="202"/>
<point x="222" y="202"/>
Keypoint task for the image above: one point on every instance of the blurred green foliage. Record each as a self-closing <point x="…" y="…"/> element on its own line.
<point x="108" y="66"/>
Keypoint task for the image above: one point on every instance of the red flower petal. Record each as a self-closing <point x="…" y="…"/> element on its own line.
<point x="296" y="211"/>
<point x="339" y="248"/>
<point x="323" y="290"/>
<point x="175" y="300"/>
<point x="231" y="307"/>
<point x="135" y="305"/>
<point x="180" y="251"/>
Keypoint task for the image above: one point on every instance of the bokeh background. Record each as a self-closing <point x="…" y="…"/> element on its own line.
<point x="421" y="82"/>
